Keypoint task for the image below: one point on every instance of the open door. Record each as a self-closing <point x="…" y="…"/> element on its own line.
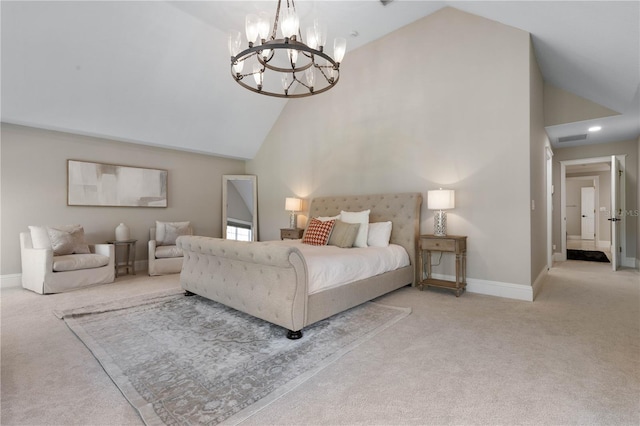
<point x="615" y="213"/>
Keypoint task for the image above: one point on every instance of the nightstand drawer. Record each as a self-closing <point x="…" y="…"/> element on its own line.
<point x="438" y="244"/>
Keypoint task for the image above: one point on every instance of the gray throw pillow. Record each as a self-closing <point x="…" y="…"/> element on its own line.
<point x="67" y="239"/>
<point x="344" y="234"/>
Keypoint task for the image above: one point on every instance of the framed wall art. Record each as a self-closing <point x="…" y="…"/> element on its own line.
<point x="97" y="184"/>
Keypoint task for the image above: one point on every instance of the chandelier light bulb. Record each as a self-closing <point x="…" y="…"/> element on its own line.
<point x="310" y="76"/>
<point x="238" y="66"/>
<point x="293" y="56"/>
<point x="339" y="49"/>
<point x="290" y="23"/>
<point x="312" y="40"/>
<point x="286" y="82"/>
<point x="257" y="75"/>
<point x="251" y="28"/>
<point x="263" y="26"/>
<point x="330" y="71"/>
<point x="321" y="33"/>
<point x="235" y="42"/>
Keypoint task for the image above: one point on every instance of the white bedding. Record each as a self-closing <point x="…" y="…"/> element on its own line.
<point x="331" y="266"/>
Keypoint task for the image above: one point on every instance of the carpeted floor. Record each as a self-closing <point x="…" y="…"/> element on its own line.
<point x="189" y="360"/>
<point x="570" y="357"/>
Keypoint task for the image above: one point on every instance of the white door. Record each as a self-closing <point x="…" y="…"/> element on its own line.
<point x="588" y="212"/>
<point x="615" y="212"/>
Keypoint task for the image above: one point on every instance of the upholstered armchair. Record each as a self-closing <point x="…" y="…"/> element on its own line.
<point x="164" y="256"/>
<point x="64" y="262"/>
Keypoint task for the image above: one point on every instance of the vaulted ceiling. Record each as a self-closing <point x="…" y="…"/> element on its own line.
<point x="157" y="73"/>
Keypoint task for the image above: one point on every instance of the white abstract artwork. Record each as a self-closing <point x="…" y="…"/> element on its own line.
<point x="96" y="184"/>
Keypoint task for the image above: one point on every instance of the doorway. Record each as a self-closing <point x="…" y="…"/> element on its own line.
<point x="598" y="173"/>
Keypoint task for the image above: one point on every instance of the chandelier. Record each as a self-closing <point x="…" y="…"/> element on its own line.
<point x="273" y="65"/>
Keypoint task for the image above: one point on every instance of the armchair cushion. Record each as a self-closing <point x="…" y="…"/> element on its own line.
<point x="164" y="252"/>
<point x="74" y="262"/>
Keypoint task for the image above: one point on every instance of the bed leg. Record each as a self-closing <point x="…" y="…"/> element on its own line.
<point x="294" y="335"/>
<point x="188" y="293"/>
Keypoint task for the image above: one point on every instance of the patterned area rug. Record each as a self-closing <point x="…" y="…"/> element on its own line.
<point x="188" y="360"/>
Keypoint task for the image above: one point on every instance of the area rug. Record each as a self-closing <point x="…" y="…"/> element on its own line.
<point x="188" y="360"/>
<point x="589" y="255"/>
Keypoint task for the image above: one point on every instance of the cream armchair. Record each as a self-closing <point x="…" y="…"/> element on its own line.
<point x="164" y="256"/>
<point x="44" y="272"/>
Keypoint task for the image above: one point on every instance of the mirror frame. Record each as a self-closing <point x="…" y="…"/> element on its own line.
<point x="225" y="183"/>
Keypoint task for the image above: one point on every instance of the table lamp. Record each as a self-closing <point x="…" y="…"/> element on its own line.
<point x="440" y="200"/>
<point x="293" y="205"/>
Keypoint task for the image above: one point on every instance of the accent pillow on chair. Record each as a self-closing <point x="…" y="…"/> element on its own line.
<point x="67" y="239"/>
<point x="167" y="232"/>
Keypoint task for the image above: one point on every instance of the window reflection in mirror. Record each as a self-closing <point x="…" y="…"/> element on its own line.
<point x="239" y="215"/>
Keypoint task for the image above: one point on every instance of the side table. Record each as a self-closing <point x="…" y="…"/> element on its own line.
<point x="456" y="244"/>
<point x="291" y="234"/>
<point x="129" y="258"/>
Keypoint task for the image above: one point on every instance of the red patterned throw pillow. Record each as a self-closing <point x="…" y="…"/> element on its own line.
<point x="317" y="233"/>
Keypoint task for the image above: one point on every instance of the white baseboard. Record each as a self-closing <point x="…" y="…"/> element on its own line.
<point x="494" y="288"/>
<point x="574" y="237"/>
<point x="629" y="262"/>
<point x="538" y="283"/>
<point x="604" y="244"/>
<point x="10" y="280"/>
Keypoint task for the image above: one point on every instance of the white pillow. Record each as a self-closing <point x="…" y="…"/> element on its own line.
<point x="40" y="237"/>
<point x="363" y="219"/>
<point x="379" y="234"/>
<point x="328" y="218"/>
<point x="167" y="232"/>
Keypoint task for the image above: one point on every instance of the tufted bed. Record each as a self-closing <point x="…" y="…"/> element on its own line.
<point x="269" y="280"/>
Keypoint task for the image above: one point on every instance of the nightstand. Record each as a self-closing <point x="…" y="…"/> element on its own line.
<point x="291" y="234"/>
<point x="449" y="244"/>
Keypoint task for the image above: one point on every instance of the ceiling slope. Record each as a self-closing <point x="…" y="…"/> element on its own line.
<point x="157" y="73"/>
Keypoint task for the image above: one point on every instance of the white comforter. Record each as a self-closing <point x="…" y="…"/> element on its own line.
<point x="331" y="266"/>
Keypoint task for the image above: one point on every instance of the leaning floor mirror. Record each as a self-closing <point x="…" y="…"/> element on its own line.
<point x="240" y="207"/>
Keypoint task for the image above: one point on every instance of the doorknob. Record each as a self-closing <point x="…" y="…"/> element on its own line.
<point x="584" y="215"/>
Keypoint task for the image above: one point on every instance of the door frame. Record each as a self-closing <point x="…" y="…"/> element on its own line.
<point x="563" y="201"/>
<point x="595" y="181"/>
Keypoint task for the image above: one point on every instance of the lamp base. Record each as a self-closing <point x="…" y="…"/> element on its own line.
<point x="293" y="223"/>
<point x="440" y="224"/>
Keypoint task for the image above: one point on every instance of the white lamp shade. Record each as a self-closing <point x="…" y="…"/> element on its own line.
<point x="293" y="204"/>
<point x="441" y="199"/>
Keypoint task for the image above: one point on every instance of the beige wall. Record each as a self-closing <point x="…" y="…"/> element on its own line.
<point x="34" y="188"/>
<point x="637" y="208"/>
<point x="538" y="187"/>
<point x="630" y="148"/>
<point x="442" y="102"/>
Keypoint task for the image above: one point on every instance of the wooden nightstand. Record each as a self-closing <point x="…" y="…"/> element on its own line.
<point x="452" y="244"/>
<point x="128" y="261"/>
<point x="291" y="234"/>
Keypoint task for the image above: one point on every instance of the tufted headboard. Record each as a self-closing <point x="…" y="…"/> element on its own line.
<point x="403" y="210"/>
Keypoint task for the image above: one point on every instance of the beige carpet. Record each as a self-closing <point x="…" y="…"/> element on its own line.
<point x="570" y="357"/>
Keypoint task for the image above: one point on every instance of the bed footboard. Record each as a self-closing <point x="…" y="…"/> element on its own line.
<point x="262" y="279"/>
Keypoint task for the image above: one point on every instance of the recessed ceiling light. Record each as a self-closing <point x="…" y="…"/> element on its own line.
<point x="595" y="129"/>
